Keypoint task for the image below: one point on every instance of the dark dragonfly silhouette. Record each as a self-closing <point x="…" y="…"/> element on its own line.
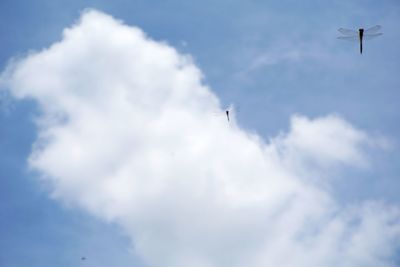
<point x="360" y="35"/>
<point x="229" y="111"/>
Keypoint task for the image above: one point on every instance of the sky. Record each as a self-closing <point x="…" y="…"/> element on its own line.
<point x="114" y="145"/>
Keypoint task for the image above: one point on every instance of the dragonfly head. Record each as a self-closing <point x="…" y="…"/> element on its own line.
<point x="361" y="30"/>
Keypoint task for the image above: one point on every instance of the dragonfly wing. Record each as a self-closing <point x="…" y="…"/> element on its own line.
<point x="374" y="29"/>
<point x="348" y="32"/>
<point x="371" y="36"/>
<point x="349" y="38"/>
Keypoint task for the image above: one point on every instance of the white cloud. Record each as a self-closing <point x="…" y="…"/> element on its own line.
<point x="273" y="58"/>
<point x="322" y="144"/>
<point x="128" y="133"/>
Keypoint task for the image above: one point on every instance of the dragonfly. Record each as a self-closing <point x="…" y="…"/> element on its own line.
<point x="360" y="35"/>
<point x="228" y="112"/>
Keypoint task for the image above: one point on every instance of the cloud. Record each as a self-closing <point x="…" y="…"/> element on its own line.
<point x="268" y="59"/>
<point x="127" y="132"/>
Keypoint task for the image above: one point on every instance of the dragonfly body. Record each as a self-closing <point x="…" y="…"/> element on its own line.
<point x="360" y="36"/>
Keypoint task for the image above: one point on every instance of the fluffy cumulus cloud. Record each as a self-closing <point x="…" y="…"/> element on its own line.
<point x="127" y="131"/>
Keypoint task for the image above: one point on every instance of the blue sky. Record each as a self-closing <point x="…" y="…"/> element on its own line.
<point x="270" y="59"/>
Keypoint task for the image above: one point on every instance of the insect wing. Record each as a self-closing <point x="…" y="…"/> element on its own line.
<point x="349" y="38"/>
<point x="371" y="36"/>
<point x="372" y="30"/>
<point x="348" y="32"/>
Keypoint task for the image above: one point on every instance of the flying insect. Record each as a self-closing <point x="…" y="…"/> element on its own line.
<point x="360" y="35"/>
